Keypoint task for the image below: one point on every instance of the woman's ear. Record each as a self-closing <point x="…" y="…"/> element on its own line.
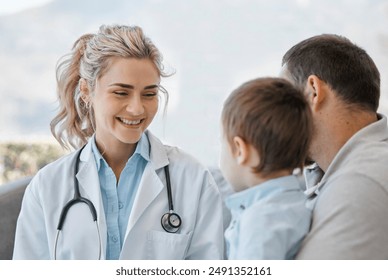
<point x="315" y="92"/>
<point x="84" y="89"/>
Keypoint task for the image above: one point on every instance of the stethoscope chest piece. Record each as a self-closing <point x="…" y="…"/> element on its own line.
<point x="171" y="222"/>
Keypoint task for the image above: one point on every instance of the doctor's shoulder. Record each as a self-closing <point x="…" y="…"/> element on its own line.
<point x="189" y="167"/>
<point x="47" y="180"/>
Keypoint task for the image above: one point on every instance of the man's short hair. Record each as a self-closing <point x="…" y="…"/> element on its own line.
<point x="345" y="67"/>
<point x="274" y="117"/>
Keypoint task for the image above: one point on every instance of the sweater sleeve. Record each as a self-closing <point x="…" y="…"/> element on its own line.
<point x="349" y="221"/>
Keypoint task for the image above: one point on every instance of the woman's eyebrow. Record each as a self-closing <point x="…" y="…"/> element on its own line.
<point x="151" y="87"/>
<point x="122" y="85"/>
<point x="132" y="87"/>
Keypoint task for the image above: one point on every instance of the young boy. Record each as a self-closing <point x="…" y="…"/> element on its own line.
<point x="266" y="134"/>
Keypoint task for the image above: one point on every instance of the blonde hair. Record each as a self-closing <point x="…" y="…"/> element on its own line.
<point x="74" y="124"/>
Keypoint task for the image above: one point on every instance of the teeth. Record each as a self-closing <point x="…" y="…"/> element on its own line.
<point x="130" y="122"/>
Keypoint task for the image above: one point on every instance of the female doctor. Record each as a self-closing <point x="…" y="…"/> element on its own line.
<point x="123" y="195"/>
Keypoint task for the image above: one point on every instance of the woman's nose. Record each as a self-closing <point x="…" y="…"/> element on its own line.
<point x="135" y="105"/>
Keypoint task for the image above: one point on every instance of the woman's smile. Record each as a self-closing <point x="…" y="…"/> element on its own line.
<point x="131" y="123"/>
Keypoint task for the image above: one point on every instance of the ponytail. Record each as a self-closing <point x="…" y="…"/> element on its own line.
<point x="74" y="123"/>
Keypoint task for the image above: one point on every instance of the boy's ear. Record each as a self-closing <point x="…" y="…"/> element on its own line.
<point x="240" y="150"/>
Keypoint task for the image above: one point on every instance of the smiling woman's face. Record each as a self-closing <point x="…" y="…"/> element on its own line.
<point x="125" y="101"/>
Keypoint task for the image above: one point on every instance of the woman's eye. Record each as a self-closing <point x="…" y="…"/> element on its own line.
<point x="150" y="94"/>
<point x="121" y="93"/>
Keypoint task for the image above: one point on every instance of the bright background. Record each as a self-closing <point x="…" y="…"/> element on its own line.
<point x="214" y="46"/>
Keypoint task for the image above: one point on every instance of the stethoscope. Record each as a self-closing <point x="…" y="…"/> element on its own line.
<point x="170" y="221"/>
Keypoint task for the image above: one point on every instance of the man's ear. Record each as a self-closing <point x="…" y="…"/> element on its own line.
<point x="315" y="92"/>
<point x="240" y="150"/>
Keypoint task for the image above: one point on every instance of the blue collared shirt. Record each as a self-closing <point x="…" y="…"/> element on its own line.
<point x="269" y="220"/>
<point x="118" y="197"/>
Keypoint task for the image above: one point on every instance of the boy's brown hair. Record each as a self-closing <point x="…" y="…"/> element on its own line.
<point x="274" y="117"/>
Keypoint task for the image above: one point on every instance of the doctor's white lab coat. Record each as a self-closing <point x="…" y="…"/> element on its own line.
<point x="194" y="193"/>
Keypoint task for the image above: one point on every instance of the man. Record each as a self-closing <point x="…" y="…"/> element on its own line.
<point x="348" y="184"/>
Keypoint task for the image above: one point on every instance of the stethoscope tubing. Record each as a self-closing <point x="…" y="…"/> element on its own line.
<point x="168" y="227"/>
<point x="99" y="241"/>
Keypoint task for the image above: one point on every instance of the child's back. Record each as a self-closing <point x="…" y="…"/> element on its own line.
<point x="267" y="132"/>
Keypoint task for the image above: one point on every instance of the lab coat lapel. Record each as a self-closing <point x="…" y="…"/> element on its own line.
<point x="150" y="185"/>
<point x="89" y="185"/>
<point x="149" y="188"/>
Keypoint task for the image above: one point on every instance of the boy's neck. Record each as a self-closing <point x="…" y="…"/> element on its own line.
<point x="259" y="178"/>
